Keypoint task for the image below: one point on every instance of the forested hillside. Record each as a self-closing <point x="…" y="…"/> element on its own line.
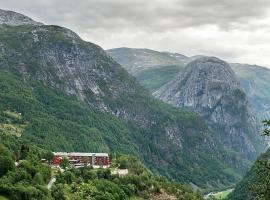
<point x="73" y="97"/>
<point x="23" y="176"/>
<point x="60" y="123"/>
<point x="28" y="178"/>
<point x="255" y="185"/>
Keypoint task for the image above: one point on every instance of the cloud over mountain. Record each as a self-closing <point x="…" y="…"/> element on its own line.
<point x="233" y="30"/>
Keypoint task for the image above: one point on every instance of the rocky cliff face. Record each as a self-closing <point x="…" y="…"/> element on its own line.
<point x="253" y="79"/>
<point x="209" y="86"/>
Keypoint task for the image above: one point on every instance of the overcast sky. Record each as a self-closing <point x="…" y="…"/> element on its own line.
<point x="234" y="30"/>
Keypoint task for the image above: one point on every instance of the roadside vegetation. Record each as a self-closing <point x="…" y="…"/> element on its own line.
<point x="24" y="177"/>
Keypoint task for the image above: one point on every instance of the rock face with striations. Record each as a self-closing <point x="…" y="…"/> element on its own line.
<point x="210" y="87"/>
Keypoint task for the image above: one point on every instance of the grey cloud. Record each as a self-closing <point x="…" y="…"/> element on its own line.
<point x="156" y="15"/>
<point x="230" y="29"/>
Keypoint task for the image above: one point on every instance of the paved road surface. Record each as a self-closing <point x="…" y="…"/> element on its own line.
<point x="51" y="182"/>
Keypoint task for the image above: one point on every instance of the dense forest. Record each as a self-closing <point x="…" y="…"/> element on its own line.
<point x="24" y="177"/>
<point x="27" y="178"/>
<point x="256" y="183"/>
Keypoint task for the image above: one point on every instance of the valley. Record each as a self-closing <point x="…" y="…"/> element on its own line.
<point x="180" y="127"/>
<point x="219" y="195"/>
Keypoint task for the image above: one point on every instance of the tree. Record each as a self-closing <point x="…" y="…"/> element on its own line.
<point x="24" y="151"/>
<point x="261" y="184"/>
<point x="211" y="197"/>
<point x="6" y="164"/>
<point x="38" y="179"/>
<point x="64" y="163"/>
<point x="69" y="177"/>
<point x="266" y="124"/>
<point x="123" y="162"/>
<point x="5" y="151"/>
<point x="58" y="192"/>
<point x="49" y="156"/>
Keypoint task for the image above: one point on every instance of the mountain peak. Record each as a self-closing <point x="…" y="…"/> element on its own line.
<point x="12" y="18"/>
<point x="201" y="76"/>
<point x="210" y="87"/>
<point x="212" y="69"/>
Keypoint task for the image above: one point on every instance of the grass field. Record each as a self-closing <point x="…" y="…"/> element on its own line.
<point x="223" y="194"/>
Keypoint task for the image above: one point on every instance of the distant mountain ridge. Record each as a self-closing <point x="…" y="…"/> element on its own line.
<point x="136" y="60"/>
<point x="253" y="79"/>
<point x="12" y="18"/>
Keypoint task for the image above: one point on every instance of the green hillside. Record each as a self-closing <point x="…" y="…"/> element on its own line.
<point x="255" y="185"/>
<point x="73" y="97"/>
<point x="28" y="180"/>
<point x="152" y="79"/>
<point x="61" y="123"/>
<point x="151" y="68"/>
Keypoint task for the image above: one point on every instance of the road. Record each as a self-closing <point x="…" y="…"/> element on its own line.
<point x="53" y="179"/>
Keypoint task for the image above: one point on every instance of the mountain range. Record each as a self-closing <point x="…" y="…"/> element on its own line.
<point x="72" y="96"/>
<point x="153" y="75"/>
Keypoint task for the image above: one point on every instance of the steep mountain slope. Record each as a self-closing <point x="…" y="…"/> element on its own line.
<point x="255" y="184"/>
<point x="253" y="79"/>
<point x="75" y="97"/>
<point x="210" y="87"/>
<point x="255" y="82"/>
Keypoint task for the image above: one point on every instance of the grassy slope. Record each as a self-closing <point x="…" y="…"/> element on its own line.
<point x="154" y="78"/>
<point x="222" y="194"/>
<point x="151" y="68"/>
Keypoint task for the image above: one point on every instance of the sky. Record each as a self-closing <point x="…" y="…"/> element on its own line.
<point x="234" y="30"/>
